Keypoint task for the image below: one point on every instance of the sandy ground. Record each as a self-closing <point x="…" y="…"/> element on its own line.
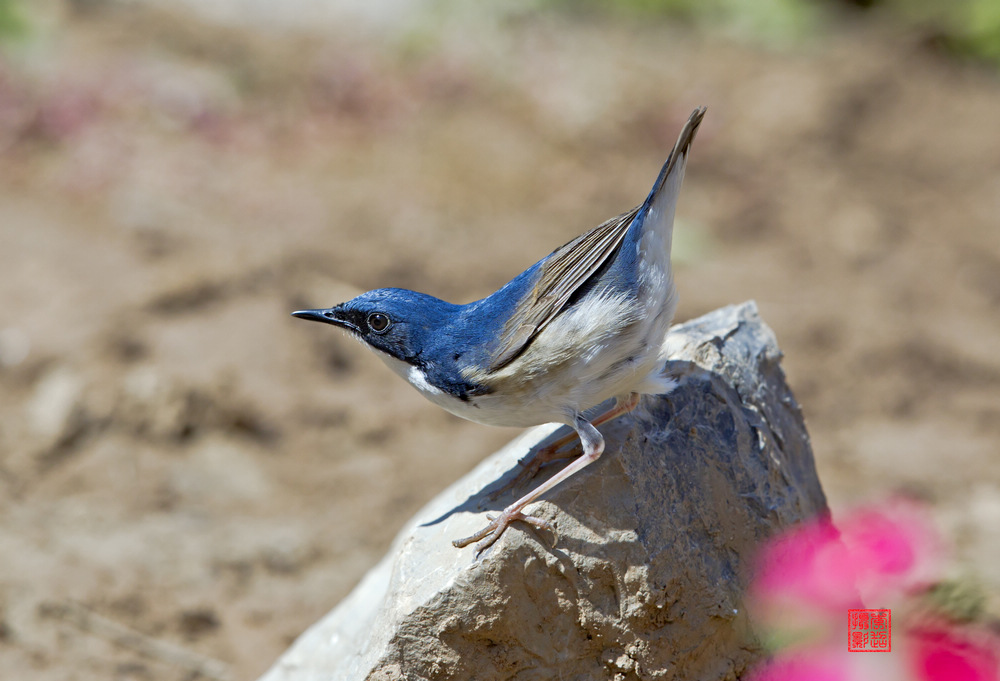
<point x="181" y="459"/>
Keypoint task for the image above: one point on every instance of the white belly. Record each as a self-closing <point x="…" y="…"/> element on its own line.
<point x="606" y="347"/>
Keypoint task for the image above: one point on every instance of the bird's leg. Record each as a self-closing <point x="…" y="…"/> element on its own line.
<point x="549" y="453"/>
<point x="593" y="446"/>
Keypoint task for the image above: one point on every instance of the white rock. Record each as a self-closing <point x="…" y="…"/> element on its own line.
<point x="56" y="399"/>
<point x="654" y="552"/>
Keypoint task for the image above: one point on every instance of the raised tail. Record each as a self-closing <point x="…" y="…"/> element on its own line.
<point x="673" y="169"/>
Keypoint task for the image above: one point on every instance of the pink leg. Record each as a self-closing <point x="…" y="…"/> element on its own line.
<point x="593" y="446"/>
<point x="550" y="452"/>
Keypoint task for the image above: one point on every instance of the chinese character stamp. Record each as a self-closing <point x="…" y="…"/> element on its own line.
<point x="869" y="631"/>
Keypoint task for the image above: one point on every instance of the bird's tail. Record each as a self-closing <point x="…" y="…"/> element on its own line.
<point x="657" y="212"/>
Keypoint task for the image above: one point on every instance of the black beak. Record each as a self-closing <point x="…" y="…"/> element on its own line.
<point x="333" y="315"/>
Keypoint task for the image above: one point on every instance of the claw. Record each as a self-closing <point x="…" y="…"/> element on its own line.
<point x="497" y="526"/>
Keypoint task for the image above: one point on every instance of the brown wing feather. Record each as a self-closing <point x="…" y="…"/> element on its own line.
<point x="562" y="274"/>
<point x="571" y="265"/>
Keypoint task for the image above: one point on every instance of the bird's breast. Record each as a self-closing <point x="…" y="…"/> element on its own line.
<point x="460" y="402"/>
<point x="604" y="346"/>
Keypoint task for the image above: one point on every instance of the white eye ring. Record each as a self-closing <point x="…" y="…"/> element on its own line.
<point x="379" y="322"/>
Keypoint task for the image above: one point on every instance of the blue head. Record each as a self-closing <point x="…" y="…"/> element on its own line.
<point x="438" y="338"/>
<point x="403" y="324"/>
<point x="443" y="340"/>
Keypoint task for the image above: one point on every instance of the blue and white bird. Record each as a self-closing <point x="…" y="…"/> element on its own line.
<point x="584" y="324"/>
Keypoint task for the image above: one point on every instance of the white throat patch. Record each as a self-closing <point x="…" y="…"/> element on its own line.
<point x="410" y="373"/>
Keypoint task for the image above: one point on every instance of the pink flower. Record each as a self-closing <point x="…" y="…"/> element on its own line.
<point x="879" y="553"/>
<point x="813" y="665"/>
<point x="947" y="653"/>
<point x="894" y="549"/>
<point x="809" y="566"/>
<point x="883" y="555"/>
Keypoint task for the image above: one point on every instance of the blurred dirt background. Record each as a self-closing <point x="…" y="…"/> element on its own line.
<point x="189" y="477"/>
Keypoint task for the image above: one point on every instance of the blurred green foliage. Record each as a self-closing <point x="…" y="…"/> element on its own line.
<point x="961" y="601"/>
<point x="982" y="28"/>
<point x="964" y="27"/>
<point x="12" y="22"/>
<point x="767" y="21"/>
<point x="969" y="27"/>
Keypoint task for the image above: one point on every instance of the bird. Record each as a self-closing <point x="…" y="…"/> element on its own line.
<point x="581" y="326"/>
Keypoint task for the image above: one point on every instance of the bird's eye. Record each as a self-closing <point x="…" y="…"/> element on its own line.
<point x="378" y="322"/>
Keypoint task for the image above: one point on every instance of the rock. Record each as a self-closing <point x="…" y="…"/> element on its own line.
<point x="654" y="552"/>
<point x="55" y="412"/>
<point x="56" y="399"/>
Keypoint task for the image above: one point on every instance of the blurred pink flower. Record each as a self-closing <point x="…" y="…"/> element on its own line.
<point x="881" y="555"/>
<point x="813" y="664"/>
<point x="808" y="566"/>
<point x="66" y="111"/>
<point x="893" y="549"/>
<point x="942" y="652"/>
<point x="878" y="553"/>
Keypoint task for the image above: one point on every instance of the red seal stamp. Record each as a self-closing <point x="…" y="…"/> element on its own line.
<point x="869" y="631"/>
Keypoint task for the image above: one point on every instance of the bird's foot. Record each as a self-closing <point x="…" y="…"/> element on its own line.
<point x="533" y="463"/>
<point x="498" y="525"/>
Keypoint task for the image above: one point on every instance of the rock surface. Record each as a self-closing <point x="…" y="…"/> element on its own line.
<point x="654" y="549"/>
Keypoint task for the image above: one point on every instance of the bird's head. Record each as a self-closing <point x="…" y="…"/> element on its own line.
<point x="397" y="322"/>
